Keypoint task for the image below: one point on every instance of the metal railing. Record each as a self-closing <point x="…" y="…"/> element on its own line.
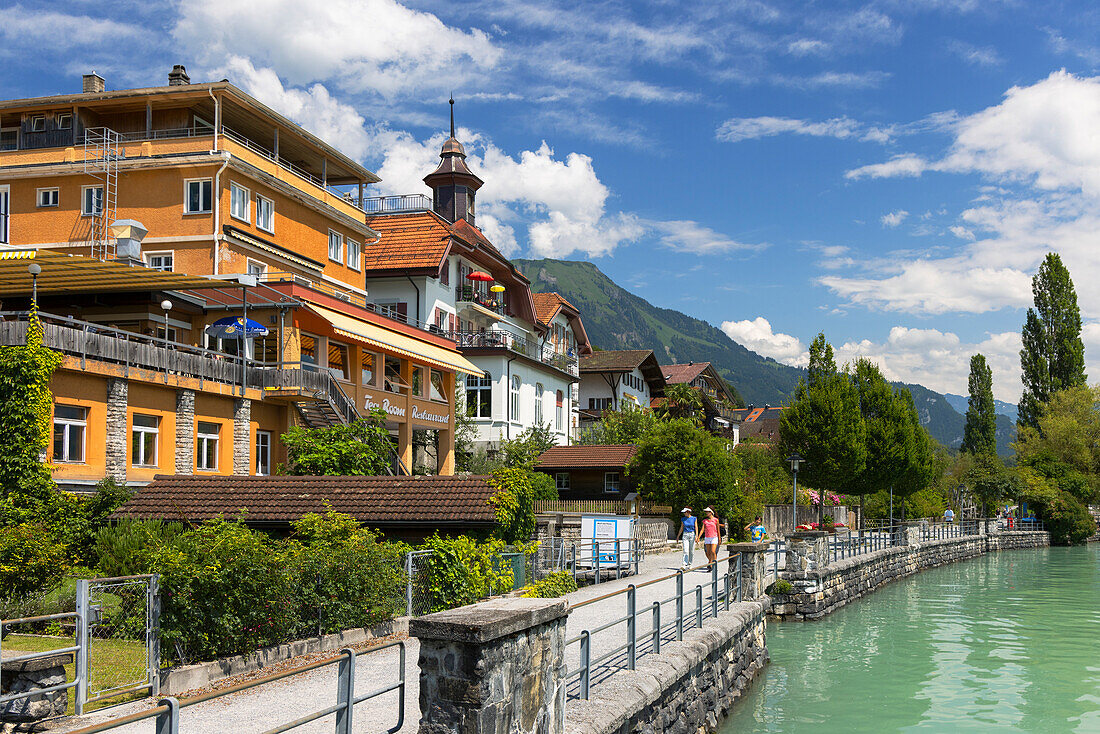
<point x="499" y="339"/>
<point x="80" y="677"/>
<point x="167" y="711"/>
<point x="599" y="558"/>
<point x="395" y="204"/>
<point x="707" y="603"/>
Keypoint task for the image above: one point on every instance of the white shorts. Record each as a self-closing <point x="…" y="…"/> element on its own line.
<point x="710" y="541"/>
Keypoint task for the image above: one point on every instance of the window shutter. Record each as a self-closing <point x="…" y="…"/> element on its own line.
<point x="403" y="310"/>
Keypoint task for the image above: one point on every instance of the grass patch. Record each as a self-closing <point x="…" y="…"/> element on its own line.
<point x="111" y="663"/>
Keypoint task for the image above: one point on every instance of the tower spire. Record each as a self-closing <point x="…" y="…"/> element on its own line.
<point x="452" y="101"/>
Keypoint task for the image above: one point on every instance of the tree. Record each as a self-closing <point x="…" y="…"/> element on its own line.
<point x="680" y="464"/>
<point x="362" y="448"/>
<point x="990" y="482"/>
<point x="1053" y="356"/>
<point x="824" y="425"/>
<point x="889" y="430"/>
<point x="1067" y="436"/>
<point x="524" y="450"/>
<point x="980" y="434"/>
<point x="621" y="426"/>
<point x="681" y="401"/>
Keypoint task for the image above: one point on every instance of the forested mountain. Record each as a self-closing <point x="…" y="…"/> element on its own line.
<point x="615" y="318"/>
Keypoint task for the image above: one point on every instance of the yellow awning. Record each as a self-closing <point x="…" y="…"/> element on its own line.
<point x="379" y="337"/>
<point x="77" y="274"/>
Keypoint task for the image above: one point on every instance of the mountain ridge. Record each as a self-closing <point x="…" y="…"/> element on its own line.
<point x="615" y="318"/>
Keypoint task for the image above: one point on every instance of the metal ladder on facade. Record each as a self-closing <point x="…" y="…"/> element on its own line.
<point x="101" y="157"/>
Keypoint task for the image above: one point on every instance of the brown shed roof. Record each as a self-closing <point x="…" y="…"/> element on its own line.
<point x="596" y="456"/>
<point x="375" y="501"/>
<point x="676" y="374"/>
<point x="615" y="360"/>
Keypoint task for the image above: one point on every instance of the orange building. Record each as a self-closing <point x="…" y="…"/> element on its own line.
<point x="269" y="222"/>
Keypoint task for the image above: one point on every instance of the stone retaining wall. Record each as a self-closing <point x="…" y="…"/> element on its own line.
<point x="821" y="591"/>
<point x="688" y="688"/>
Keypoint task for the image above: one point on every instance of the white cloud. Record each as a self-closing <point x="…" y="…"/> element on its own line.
<point x="841" y="128"/>
<point x="26" y="28"/>
<point x="893" y="219"/>
<point x="976" y="55"/>
<point x="690" y="236"/>
<point x="901" y="165"/>
<point x="940" y="360"/>
<point x="758" y="336"/>
<point x="962" y="233"/>
<point x="360" y="45"/>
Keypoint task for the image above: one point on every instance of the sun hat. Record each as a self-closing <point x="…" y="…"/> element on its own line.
<point x="708" y="509"/>
<point x="686" y="509"/>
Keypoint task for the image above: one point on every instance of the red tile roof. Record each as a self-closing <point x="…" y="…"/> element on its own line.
<point x="676" y="374"/>
<point x="279" y="499"/>
<point x="597" y="456"/>
<point x="407" y="241"/>
<point x="547" y="305"/>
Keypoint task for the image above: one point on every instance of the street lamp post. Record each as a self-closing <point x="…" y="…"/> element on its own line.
<point x="34" y="269"/>
<point x="166" y="305"/>
<point x="795" y="461"/>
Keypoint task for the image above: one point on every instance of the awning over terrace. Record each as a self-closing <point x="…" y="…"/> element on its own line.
<point x="76" y="274"/>
<point x="382" y="338"/>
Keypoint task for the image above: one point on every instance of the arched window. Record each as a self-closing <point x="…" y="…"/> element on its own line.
<point x="514" y="414"/>
<point x="538" y="403"/>
<point x="559" y="416"/>
<point x="479" y="396"/>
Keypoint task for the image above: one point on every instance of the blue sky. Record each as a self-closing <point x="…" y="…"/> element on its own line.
<point x="890" y="173"/>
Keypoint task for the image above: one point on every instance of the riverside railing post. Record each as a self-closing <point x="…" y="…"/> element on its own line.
<point x="714" y="589"/>
<point x="699" y="605"/>
<point x="81" y="673"/>
<point x="168" y="722"/>
<point x="586" y="657"/>
<point x="618" y="560"/>
<point x="345" y="691"/>
<point x="631" y="626"/>
<point x="679" y="605"/>
<point x="596" y="555"/>
<point x="637" y="555"/>
<point x="656" y="628"/>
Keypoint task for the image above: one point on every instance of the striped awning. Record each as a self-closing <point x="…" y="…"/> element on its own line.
<point x="76" y="274"/>
<point x="380" y="337"/>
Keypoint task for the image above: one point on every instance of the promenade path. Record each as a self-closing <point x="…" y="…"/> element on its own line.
<point x="265" y="707"/>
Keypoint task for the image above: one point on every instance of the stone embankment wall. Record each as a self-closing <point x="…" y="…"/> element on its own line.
<point x="823" y="590"/>
<point x="688" y="688"/>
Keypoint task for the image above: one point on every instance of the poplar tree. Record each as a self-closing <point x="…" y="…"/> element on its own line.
<point x="980" y="434"/>
<point x="1053" y="356"/>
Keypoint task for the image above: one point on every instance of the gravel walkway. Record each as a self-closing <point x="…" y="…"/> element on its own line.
<point x="270" y="705"/>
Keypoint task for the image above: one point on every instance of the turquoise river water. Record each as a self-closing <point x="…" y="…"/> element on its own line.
<point x="1006" y="642"/>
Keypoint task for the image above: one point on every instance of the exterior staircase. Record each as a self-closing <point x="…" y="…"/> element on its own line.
<point x="319" y="414"/>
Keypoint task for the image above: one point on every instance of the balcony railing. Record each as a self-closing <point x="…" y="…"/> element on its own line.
<point x="395" y="204"/>
<point x="513" y="343"/>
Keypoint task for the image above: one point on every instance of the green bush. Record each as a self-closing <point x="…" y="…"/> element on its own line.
<point x="556" y="584"/>
<point x="345" y="577"/>
<point x="514" y="503"/>
<point x="779" y="587"/>
<point x="126" y="548"/>
<point x="227" y="590"/>
<point x="31" y="559"/>
<point x="462" y="571"/>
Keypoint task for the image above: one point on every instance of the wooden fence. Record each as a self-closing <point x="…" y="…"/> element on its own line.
<point x="602" y="507"/>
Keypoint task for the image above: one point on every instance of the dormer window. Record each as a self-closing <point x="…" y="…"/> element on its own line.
<point x="65" y="121"/>
<point x="38" y="124"/>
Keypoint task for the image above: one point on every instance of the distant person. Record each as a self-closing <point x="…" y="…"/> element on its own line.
<point x="687" y="535"/>
<point x="949" y="515"/>
<point x="711" y="535"/>
<point x="756" y="529"/>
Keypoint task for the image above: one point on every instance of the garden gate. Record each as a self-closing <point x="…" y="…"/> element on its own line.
<point x="120" y="638"/>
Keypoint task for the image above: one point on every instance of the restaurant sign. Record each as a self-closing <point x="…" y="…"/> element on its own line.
<point x="430" y="416"/>
<point x="397" y="411"/>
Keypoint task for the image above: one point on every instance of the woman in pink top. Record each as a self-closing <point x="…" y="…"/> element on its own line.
<point x="711" y="534"/>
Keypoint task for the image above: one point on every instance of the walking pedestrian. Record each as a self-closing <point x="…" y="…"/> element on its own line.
<point x="711" y="535"/>
<point x="687" y="536"/>
<point x="756" y="529"/>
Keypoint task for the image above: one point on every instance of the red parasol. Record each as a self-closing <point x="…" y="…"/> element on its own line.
<point x="480" y="275"/>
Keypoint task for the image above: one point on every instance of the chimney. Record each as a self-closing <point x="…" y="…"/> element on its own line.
<point x="178" y="76"/>
<point x="94" y="83"/>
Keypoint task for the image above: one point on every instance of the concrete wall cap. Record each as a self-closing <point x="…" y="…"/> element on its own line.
<point x="489" y="620"/>
<point x="747" y="547"/>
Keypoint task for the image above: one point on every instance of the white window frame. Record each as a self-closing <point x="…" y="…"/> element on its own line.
<point x="84" y="201"/>
<point x="260" y="201"/>
<point x="68" y="424"/>
<point x="150" y="256"/>
<point x="484" y="383"/>
<point x="559" y="412"/>
<point x="561" y="481"/>
<point x="263" y="468"/>
<point x="355" y="262"/>
<point x="539" y="395"/>
<point x="202" y="442"/>
<point x="38" y="195"/>
<point x="255" y="267"/>
<point x="61" y="116"/>
<point x="5" y="214"/>
<point x="143" y="431"/>
<point x="513" y="406"/>
<point x="612" y="486"/>
<point x="335" y="238"/>
<point x="240" y="195"/>
<point x="35" y="127"/>
<point x="187" y="198"/>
